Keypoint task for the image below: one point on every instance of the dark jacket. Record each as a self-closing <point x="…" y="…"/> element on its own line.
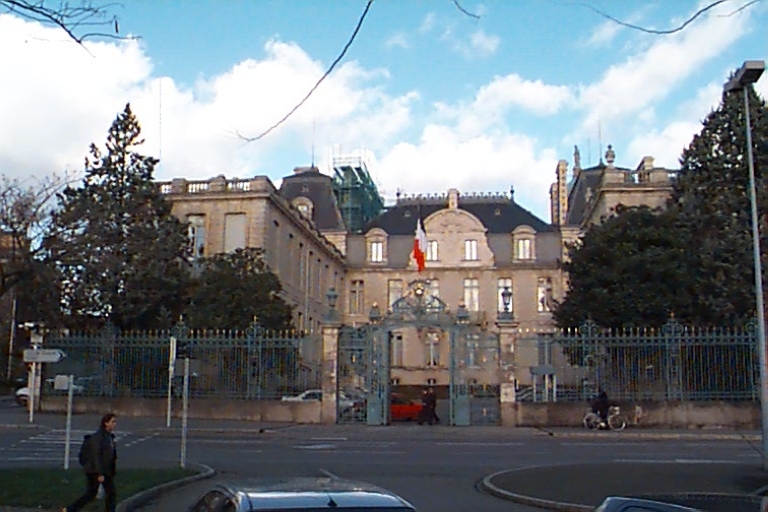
<point x="102" y="458"/>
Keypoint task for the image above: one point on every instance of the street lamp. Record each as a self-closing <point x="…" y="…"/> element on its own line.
<point x="506" y="301"/>
<point x="748" y="74"/>
<point x="375" y="314"/>
<point x="332" y="296"/>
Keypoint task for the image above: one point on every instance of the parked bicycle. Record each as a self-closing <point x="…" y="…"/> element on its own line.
<point x="616" y="420"/>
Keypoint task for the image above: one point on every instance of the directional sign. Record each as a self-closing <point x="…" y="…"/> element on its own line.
<point x="43" y="355"/>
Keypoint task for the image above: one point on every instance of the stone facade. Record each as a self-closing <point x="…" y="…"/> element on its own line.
<point x="477" y="245"/>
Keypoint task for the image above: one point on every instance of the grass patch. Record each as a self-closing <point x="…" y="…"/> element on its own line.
<point x="49" y="488"/>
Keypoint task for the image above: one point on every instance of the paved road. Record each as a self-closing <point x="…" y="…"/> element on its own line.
<point x="437" y="468"/>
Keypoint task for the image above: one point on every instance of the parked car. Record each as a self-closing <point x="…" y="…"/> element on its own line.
<point x="402" y="408"/>
<point x="345" y="402"/>
<point x="301" y="493"/>
<point x="619" y="504"/>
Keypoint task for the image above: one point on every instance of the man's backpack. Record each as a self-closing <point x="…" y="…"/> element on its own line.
<point x="85" y="450"/>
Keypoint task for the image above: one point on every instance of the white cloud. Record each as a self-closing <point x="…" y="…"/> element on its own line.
<point x="471" y="164"/>
<point x="484" y="44"/>
<point x="495" y="100"/>
<point x="648" y="77"/>
<point x="398" y="40"/>
<point x="604" y="34"/>
<point x="428" y="23"/>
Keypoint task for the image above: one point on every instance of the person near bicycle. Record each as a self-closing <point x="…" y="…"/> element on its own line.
<point x="601" y="405"/>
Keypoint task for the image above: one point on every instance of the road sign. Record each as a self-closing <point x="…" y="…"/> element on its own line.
<point x="43" y="355"/>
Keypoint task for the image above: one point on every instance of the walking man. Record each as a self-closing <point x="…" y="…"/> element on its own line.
<point x="99" y="464"/>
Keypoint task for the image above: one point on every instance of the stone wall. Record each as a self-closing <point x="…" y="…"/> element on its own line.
<point x="199" y="408"/>
<point x="682" y="415"/>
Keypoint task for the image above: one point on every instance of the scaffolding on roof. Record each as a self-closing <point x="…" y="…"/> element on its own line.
<point x="357" y="196"/>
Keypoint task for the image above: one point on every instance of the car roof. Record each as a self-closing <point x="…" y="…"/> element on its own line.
<point x="629" y="503"/>
<point x="312" y="492"/>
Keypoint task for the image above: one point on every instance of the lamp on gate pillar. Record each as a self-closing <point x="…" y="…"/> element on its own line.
<point x="748" y="74"/>
<point x="375" y="314"/>
<point x="506" y="301"/>
<point x="332" y="297"/>
<point x="462" y="315"/>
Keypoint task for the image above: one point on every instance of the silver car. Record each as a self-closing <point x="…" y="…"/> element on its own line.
<point x="306" y="494"/>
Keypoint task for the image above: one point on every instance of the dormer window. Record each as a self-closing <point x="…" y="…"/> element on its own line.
<point x="432" y="250"/>
<point x="376" y="252"/>
<point x="523" y="249"/>
<point x="524" y="243"/>
<point x="470" y="250"/>
<point x="376" y="246"/>
<point x="304" y="206"/>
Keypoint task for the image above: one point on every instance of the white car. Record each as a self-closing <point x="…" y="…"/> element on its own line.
<point x="22" y="394"/>
<point x="317" y="394"/>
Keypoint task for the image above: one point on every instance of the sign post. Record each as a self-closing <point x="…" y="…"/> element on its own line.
<point x="62" y="382"/>
<point x="37" y="356"/>
<point x="184" y="413"/>
<point x="171" y="368"/>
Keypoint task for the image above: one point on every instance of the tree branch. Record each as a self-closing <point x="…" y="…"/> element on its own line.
<point x="463" y="10"/>
<point x="687" y="22"/>
<point x="69" y="18"/>
<point x="325" y="75"/>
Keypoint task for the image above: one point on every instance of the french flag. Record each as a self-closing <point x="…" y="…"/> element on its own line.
<point x="420" y="245"/>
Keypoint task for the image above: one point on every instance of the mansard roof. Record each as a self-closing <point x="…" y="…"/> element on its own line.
<point x="309" y="182"/>
<point x="498" y="213"/>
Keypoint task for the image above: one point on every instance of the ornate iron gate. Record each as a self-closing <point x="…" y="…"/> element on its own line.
<point x="363" y="394"/>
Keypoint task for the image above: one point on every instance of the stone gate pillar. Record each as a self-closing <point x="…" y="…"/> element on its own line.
<point x="507" y="341"/>
<point x="330" y="365"/>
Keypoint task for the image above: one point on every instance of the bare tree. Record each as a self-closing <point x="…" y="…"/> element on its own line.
<point x="79" y="20"/>
<point x="25" y="208"/>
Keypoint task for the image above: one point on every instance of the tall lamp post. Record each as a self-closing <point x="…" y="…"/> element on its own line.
<point x="748" y="74"/>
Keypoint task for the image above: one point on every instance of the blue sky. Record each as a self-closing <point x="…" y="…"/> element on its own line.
<point x="434" y="98"/>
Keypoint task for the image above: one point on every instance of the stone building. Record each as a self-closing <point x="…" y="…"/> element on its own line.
<point x="480" y="249"/>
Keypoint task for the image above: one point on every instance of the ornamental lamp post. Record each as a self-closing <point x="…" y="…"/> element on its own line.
<point x="748" y="74"/>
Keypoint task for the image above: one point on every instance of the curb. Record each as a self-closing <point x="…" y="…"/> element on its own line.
<point x="528" y="500"/>
<point x="138" y="500"/>
<point x="693" y="436"/>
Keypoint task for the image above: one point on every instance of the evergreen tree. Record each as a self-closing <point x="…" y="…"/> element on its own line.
<point x="711" y="198"/>
<point x="626" y="271"/>
<point x="235" y="287"/>
<point x="119" y="252"/>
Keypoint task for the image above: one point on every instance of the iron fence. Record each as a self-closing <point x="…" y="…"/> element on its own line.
<point x="675" y="362"/>
<point x="250" y="364"/>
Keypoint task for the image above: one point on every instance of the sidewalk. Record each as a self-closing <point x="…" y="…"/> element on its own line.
<point x="581" y="487"/>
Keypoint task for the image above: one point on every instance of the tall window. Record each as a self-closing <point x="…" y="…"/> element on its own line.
<point x="376" y="252"/>
<point x="196" y="233"/>
<point x="544" y="294"/>
<point x="472" y="294"/>
<point x="433" y="349"/>
<point x="504" y="283"/>
<point x="523" y="249"/>
<point x="434" y="288"/>
<point x="396" y="349"/>
<point x="473" y="346"/>
<point x="234" y="231"/>
<point x="432" y="250"/>
<point x="356" y="292"/>
<point x="394" y="291"/>
<point x="470" y="250"/>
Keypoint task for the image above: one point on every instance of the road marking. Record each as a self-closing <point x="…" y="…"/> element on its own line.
<point x="680" y="461"/>
<point x="371" y="452"/>
<point x="315" y="447"/>
<point x="328" y="473"/>
<point x="225" y="441"/>
<point x="328" y="439"/>
<point x="459" y="443"/>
